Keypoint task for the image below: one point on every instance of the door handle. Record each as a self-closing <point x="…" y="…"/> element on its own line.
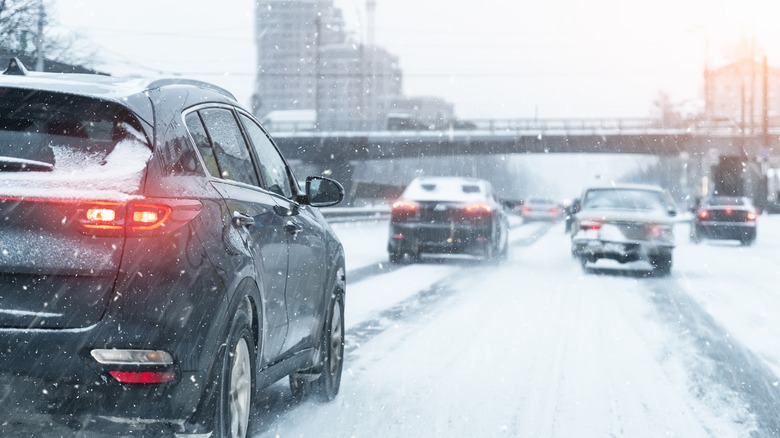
<point x="293" y="227"/>
<point x="242" y="219"/>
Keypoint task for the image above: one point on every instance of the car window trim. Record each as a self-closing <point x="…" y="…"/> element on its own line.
<point x="203" y="106"/>
<point x="290" y="177"/>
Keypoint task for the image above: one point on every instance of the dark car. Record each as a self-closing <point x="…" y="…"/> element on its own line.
<point x="158" y="264"/>
<point x="625" y="223"/>
<point x="448" y="215"/>
<point x="725" y="218"/>
<point x="569" y="211"/>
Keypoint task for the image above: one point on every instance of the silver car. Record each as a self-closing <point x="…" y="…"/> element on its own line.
<point x="625" y="223"/>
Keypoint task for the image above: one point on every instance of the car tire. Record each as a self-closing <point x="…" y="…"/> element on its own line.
<point x="662" y="264"/>
<point x="237" y="379"/>
<point x="503" y="254"/>
<point x="396" y="257"/>
<point x="330" y="364"/>
<point x="747" y="242"/>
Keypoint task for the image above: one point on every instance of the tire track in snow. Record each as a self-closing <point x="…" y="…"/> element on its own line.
<point x="423" y="301"/>
<point x="730" y="364"/>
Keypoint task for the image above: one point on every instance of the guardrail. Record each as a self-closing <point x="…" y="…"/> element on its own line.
<point x="348" y="214"/>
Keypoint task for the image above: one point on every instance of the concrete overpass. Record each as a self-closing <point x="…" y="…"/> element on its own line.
<point x="700" y="145"/>
<point x="622" y="136"/>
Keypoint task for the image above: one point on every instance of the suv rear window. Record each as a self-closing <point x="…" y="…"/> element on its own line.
<point x="41" y="126"/>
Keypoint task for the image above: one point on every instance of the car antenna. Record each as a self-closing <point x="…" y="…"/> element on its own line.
<point x="15" y="67"/>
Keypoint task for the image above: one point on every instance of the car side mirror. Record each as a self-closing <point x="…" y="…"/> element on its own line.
<point x="323" y="192"/>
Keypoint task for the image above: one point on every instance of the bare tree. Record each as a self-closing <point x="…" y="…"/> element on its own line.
<point x="19" y="23"/>
<point x="27" y="28"/>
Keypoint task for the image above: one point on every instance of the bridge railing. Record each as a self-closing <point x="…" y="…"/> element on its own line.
<point x="635" y="124"/>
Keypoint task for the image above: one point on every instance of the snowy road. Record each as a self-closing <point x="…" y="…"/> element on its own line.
<point x="536" y="347"/>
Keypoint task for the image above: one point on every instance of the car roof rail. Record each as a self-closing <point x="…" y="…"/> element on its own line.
<point x="15" y="67"/>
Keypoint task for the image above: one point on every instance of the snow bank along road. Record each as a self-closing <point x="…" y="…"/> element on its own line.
<point x="535" y="347"/>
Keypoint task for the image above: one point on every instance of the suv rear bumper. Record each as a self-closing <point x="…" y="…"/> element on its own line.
<point x="50" y="373"/>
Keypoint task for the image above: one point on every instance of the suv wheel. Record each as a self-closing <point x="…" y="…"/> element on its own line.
<point x="331" y="358"/>
<point x="236" y="379"/>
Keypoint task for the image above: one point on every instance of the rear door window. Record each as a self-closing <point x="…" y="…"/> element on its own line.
<point x="229" y="148"/>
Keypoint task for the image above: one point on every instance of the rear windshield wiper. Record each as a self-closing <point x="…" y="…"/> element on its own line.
<point x="10" y="164"/>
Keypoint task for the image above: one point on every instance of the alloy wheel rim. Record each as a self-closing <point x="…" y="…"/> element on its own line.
<point x="336" y="340"/>
<point x="239" y="393"/>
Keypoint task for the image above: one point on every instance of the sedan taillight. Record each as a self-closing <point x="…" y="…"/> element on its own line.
<point x="404" y="210"/>
<point x="704" y="214"/>
<point x="590" y="225"/>
<point x="477" y="212"/>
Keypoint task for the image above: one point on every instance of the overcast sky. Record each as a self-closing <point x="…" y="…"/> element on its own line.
<point x="493" y="59"/>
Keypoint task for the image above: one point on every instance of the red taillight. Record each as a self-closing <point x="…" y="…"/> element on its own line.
<point x="405" y="206"/>
<point x="136" y="218"/>
<point x="704" y="214"/>
<point x="477" y="209"/>
<point x="590" y="225"/>
<point x="143" y="377"/>
<point x="404" y="210"/>
<point x="102" y="216"/>
<point x="751" y="216"/>
<point x="525" y="210"/>
<point x="477" y="213"/>
<point x="147" y="217"/>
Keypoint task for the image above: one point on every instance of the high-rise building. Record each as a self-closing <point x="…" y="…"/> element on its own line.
<point x="734" y="93"/>
<point x="356" y="84"/>
<point x="309" y="64"/>
<point x="288" y="35"/>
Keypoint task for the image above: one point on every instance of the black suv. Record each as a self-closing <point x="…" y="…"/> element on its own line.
<point x="158" y="261"/>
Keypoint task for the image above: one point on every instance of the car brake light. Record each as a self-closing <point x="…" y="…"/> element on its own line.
<point x="590" y="225"/>
<point x="656" y="231"/>
<point x="135" y="218"/>
<point x="404" y="210"/>
<point x="704" y="214"/>
<point x="405" y="206"/>
<point x="477" y="209"/>
<point x="143" y="377"/>
<point x="751" y="216"/>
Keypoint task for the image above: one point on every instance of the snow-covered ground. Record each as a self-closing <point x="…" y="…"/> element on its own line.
<point x="536" y="347"/>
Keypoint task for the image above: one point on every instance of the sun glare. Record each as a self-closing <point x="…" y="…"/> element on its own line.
<point x="749" y="23"/>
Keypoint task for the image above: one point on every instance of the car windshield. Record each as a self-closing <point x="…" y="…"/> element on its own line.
<point x="623" y="199"/>
<point x="726" y="201"/>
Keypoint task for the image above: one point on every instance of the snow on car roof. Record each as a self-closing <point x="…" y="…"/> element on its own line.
<point x="453" y="189"/>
